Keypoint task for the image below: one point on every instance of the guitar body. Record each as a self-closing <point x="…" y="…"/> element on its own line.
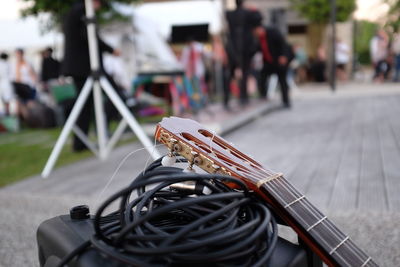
<point x="215" y="155"/>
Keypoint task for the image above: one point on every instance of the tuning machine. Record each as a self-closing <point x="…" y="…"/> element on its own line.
<point x="170" y="158"/>
<point x="193" y="160"/>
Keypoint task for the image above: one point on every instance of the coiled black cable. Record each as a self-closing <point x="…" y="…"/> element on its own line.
<point x="163" y="225"/>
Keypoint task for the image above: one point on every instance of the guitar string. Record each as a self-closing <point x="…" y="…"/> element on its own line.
<point x="123" y="161"/>
<point x="260" y="175"/>
<point x="211" y="141"/>
<point x="336" y="234"/>
<point x="117" y="170"/>
<point x="357" y="252"/>
<point x="291" y="191"/>
<point x="152" y="151"/>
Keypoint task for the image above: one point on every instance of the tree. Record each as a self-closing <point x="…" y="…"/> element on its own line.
<point x="318" y="13"/>
<point x="393" y="22"/>
<point x="57" y="9"/>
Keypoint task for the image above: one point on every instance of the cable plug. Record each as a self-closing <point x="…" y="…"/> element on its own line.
<point x="191" y="187"/>
<point x="168" y="160"/>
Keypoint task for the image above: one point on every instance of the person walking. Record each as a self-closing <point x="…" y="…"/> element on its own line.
<point x="379" y="45"/>
<point x="192" y="59"/>
<point x="276" y="58"/>
<point x="76" y="61"/>
<point x="241" y="44"/>
<point x="222" y="77"/>
<point x="342" y="59"/>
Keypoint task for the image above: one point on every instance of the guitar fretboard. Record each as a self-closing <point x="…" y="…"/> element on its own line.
<point x="338" y="245"/>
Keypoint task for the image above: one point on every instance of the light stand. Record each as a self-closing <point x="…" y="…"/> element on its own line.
<point x="97" y="82"/>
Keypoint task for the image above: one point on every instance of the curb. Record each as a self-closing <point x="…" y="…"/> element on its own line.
<point x="235" y="122"/>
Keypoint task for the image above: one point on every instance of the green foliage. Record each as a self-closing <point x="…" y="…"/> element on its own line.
<point x="365" y="30"/>
<point x="57" y="9"/>
<point x="318" y="11"/>
<point x="393" y="22"/>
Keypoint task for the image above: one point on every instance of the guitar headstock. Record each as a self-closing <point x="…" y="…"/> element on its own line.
<point x="207" y="150"/>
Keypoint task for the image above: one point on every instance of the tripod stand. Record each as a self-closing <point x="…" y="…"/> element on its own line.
<point x="97" y="82"/>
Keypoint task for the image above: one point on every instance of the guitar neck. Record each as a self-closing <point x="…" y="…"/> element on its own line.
<point x="313" y="224"/>
<point x="214" y="155"/>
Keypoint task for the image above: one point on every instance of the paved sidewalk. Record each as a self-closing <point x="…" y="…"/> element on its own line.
<point x="317" y="144"/>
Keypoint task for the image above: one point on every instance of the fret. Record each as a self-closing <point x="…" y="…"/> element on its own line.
<point x="284" y="192"/>
<point x="365" y="263"/>
<point x="294" y="201"/>
<point x="341" y="243"/>
<point x="269" y="179"/>
<point x="315" y="224"/>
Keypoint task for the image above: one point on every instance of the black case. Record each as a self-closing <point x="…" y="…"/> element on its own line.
<point x="58" y="236"/>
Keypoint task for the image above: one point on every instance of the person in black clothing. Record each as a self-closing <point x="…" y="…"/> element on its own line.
<point x="276" y="56"/>
<point x="241" y="45"/>
<point x="50" y="67"/>
<point x="76" y="61"/>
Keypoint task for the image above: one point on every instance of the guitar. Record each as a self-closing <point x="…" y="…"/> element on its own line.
<point x="214" y="155"/>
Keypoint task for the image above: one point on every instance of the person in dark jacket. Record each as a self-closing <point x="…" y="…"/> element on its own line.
<point x="50" y="67"/>
<point x="76" y="61"/>
<point x="241" y="44"/>
<point x="276" y="55"/>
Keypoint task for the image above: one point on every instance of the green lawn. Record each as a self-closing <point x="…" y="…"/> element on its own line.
<point x="25" y="153"/>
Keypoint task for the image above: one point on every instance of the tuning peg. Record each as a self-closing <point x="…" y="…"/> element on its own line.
<point x="189" y="168"/>
<point x="169" y="160"/>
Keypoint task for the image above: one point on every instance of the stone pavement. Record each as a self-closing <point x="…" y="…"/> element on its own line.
<point x="342" y="150"/>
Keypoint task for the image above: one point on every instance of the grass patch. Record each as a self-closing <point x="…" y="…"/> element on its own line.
<point x="25" y="153"/>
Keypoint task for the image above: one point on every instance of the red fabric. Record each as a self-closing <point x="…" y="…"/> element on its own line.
<point x="192" y="61"/>
<point x="264" y="47"/>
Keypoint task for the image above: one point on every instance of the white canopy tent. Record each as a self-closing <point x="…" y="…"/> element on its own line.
<point x="26" y="33"/>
